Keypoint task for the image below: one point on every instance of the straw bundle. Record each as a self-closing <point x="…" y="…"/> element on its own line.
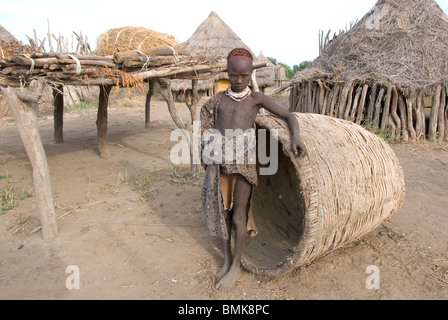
<point x="132" y="38"/>
<point x="349" y="184"/>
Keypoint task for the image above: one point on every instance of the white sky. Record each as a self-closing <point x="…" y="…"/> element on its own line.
<point x="284" y="29"/>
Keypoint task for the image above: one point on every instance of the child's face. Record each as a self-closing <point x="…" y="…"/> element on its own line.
<point x="239" y="70"/>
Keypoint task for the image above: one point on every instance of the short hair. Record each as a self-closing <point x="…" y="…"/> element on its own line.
<point x="240" y="52"/>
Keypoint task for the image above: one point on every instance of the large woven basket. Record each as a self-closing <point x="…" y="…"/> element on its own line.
<point x="350" y="182"/>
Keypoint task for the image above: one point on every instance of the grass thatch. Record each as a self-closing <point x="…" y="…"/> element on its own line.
<point x="265" y="76"/>
<point x="386" y="70"/>
<point x="406" y="46"/>
<point x="132" y="38"/>
<point x="5" y="35"/>
<point x="215" y="39"/>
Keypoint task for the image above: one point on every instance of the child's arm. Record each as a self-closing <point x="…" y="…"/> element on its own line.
<point x="298" y="148"/>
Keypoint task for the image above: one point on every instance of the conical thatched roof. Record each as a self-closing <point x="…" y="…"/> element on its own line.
<point x="5" y="35"/>
<point x="213" y="38"/>
<point x="403" y="42"/>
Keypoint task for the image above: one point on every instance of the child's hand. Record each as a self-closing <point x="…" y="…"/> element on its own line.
<point x="298" y="148"/>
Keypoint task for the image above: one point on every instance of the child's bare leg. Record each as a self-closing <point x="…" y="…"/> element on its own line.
<point x="226" y="248"/>
<point x="241" y="197"/>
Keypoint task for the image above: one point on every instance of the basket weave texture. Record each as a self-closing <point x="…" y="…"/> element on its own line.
<point x="350" y="183"/>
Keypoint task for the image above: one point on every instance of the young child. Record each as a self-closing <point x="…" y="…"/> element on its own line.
<point x="226" y="192"/>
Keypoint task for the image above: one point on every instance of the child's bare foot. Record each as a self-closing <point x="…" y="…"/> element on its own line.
<point x="230" y="278"/>
<point x="221" y="273"/>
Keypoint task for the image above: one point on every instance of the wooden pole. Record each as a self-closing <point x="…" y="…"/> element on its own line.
<point x="386" y="109"/>
<point x="336" y="90"/>
<point x="341" y="105"/>
<point x="301" y="95"/>
<point x="329" y="101"/>
<point x="355" y="103"/>
<point x="25" y="115"/>
<point x="403" y="117"/>
<point x="101" y="122"/>
<point x="324" y="106"/>
<point x="348" y="107"/>
<point x="379" y="100"/>
<point x="164" y="86"/>
<point x="410" y="102"/>
<point x="299" y="98"/>
<point x="392" y="124"/>
<point x="195" y="112"/>
<point x="314" y="98"/>
<point x="148" y="102"/>
<point x="420" y="124"/>
<point x="309" y="97"/>
<point x="394" y="108"/>
<point x="441" y="124"/>
<point x="321" y="97"/>
<point x="292" y="98"/>
<point x="58" y="112"/>
<point x="433" y="119"/>
<point x="253" y="79"/>
<point x="372" y="100"/>
<point x="446" y="113"/>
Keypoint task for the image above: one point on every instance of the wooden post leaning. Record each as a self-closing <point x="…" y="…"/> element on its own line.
<point x="24" y="110"/>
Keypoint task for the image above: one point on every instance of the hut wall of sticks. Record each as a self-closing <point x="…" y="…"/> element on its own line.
<point x="390" y="70"/>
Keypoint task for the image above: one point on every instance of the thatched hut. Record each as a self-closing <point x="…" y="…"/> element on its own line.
<point x="389" y="70"/>
<point x="265" y="76"/>
<point x="280" y="77"/>
<point x="215" y="39"/>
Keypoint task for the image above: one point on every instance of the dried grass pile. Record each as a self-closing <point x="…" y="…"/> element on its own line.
<point x="132" y="38"/>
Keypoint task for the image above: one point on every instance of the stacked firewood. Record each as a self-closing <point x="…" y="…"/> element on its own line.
<point x="139" y="60"/>
<point x="52" y="65"/>
<point x="65" y="66"/>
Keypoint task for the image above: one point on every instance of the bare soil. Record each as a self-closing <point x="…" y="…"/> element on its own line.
<point x="135" y="228"/>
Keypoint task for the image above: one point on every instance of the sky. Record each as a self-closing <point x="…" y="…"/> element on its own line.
<point x="286" y="30"/>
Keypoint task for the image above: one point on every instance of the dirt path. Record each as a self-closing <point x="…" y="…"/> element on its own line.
<point x="136" y="231"/>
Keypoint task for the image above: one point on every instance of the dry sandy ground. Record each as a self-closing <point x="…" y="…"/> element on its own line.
<point x="135" y="231"/>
